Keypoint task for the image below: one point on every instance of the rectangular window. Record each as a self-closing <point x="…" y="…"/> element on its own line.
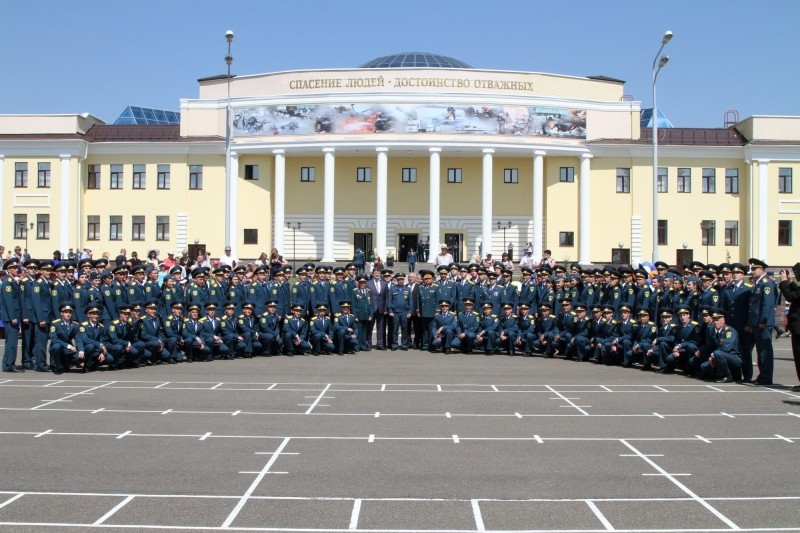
<point x="20" y="174"/>
<point x="784" y="233"/>
<point x="162" y="177"/>
<point x="710" y="180"/>
<point x="409" y="175"/>
<point x="731" y="181"/>
<point x="623" y="180"/>
<point x="162" y="228"/>
<point x="709" y="232"/>
<point x="732" y="233"/>
<point x="116" y="176"/>
<point x="308" y="174"/>
<point x="566" y="174"/>
<point x="663" y="232"/>
<point x="195" y="177"/>
<point x="44" y="175"/>
<point x="364" y="174"/>
<point x="566" y="238"/>
<point x="251" y="172"/>
<point x="93" y="182"/>
<point x="42" y="226"/>
<point x="137" y="228"/>
<point x="115" y="228"/>
<point x="93" y="227"/>
<point x="662" y="178"/>
<point x="453" y="175"/>
<point x="139" y="175"/>
<point x="20" y="226"/>
<point x="784" y="180"/>
<point x="511" y="175"/>
<point x="684" y="180"/>
<point x="251" y="236"/>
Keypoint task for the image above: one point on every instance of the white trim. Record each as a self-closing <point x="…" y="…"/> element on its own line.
<point x="328" y="204"/>
<point x="66" y="187"/>
<point x="2" y="187"/>
<point x="585" y="210"/>
<point x="486" y="203"/>
<point x="435" y="198"/>
<point x="31" y="203"/>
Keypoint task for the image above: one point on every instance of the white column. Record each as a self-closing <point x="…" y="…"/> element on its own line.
<point x="64" y="242"/>
<point x="279" y="200"/>
<point x="486" y="205"/>
<point x="381" y="206"/>
<point x="328" y="205"/>
<point x="2" y="202"/>
<point x="585" y="203"/>
<point x="435" y="201"/>
<point x="763" y="181"/>
<point x="233" y="204"/>
<point x="538" y="202"/>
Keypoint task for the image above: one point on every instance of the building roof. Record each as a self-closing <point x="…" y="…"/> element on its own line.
<point x="684" y="137"/>
<point x="152" y="133"/>
<point x="415" y="59"/>
<point x="146" y="115"/>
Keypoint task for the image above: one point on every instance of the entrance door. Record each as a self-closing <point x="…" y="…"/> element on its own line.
<point x="621" y="256"/>
<point x="683" y="257"/>
<point x="407" y="242"/>
<point x="363" y="241"/>
<point x="454" y="242"/>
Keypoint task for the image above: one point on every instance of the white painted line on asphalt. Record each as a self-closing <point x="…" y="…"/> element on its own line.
<point x="476" y="512"/>
<point x="217" y="386"/>
<point x="659" y="416"/>
<point x="703" y="439"/>
<point x="42" y="433"/>
<point x="606" y="388"/>
<point x="113" y="510"/>
<point x="371" y="438"/>
<point x="98" y="410"/>
<point x="783" y="438"/>
<point x="204" y="437"/>
<point x="657" y="474"/>
<point x="715" y="388"/>
<point x="518" y="415"/>
<point x="447" y="414"/>
<point x="455" y="439"/>
<point x="236" y="413"/>
<point x="273" y="453"/>
<point x="271" y="386"/>
<point x="66" y="398"/>
<point x="439" y="388"/>
<point x="235" y="512"/>
<point x="726" y="414"/>
<point x="562" y="397"/>
<point x="162" y="385"/>
<point x="6" y="381"/>
<point x="383" y="387"/>
<point x="495" y="389"/>
<point x="642" y="455"/>
<point x="662" y="389"/>
<point x="600" y="516"/>
<point x="354" y="514"/>
<point x="12" y="499"/>
<point x="54" y="383"/>
<point x="321" y="395"/>
<point x="538" y="439"/>
<point x="124" y="434"/>
<point x="793" y="414"/>
<point x="168" y="411"/>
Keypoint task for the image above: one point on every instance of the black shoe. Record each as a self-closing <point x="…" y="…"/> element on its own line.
<point x="726" y="379"/>
<point x="27" y="367"/>
<point x="13" y="369"/>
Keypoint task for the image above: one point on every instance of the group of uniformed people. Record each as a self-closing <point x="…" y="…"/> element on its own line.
<point x="703" y="321"/>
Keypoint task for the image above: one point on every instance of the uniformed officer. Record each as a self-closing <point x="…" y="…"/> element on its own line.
<point x="66" y="348"/>
<point x="173" y="333"/>
<point x="11" y="314"/>
<point x="725" y="359"/>
<point x="93" y="337"/>
<point x="761" y="319"/>
<point x="212" y="332"/>
<point x="507" y="330"/>
<point x="363" y="309"/>
<point x="269" y="329"/>
<point x="194" y="344"/>
<point x="643" y="338"/>
<point x="687" y="341"/>
<point x="345" y="329"/>
<point x="425" y="308"/>
<point x="444" y="328"/>
<point x="295" y="333"/>
<point x="152" y="335"/>
<point x="468" y="324"/>
<point x="247" y="327"/>
<point x="399" y="307"/>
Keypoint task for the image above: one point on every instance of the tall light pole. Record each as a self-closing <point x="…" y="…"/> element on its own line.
<point x="229" y="229"/>
<point x="658" y="63"/>
<point x="294" y="227"/>
<point x="503" y="227"/>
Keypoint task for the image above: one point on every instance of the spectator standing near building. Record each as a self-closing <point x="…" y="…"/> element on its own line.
<point x="228" y="259"/>
<point x="791" y="293"/>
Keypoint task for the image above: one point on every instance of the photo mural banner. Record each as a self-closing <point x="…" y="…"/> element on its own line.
<point x="409" y="118"/>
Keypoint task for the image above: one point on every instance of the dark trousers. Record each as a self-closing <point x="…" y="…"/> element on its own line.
<point x="10" y="353"/>
<point x="28" y="343"/>
<point x="763" y="342"/>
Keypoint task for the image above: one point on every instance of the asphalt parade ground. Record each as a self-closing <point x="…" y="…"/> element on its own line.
<point x="398" y="441"/>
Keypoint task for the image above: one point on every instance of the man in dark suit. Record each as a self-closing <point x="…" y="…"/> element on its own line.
<point x="377" y="289"/>
<point x="791" y="291"/>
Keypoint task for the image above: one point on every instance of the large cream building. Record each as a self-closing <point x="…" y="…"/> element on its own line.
<point x="385" y="156"/>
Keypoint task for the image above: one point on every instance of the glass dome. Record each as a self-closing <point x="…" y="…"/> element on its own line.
<point x="415" y="59"/>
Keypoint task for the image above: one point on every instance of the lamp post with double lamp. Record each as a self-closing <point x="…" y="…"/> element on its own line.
<point x="503" y="227"/>
<point x="294" y="227"/>
<point x="229" y="227"/>
<point x="658" y="63"/>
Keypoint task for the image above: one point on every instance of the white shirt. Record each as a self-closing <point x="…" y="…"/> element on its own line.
<point x="228" y="260"/>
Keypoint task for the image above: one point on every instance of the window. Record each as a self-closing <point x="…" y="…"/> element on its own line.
<point x="663" y="232"/>
<point x="709" y="232"/>
<point x="20" y="226"/>
<point x="453" y="175"/>
<point x="731" y="181"/>
<point x="162" y="177"/>
<point x="732" y="233"/>
<point x="93" y="227"/>
<point x="308" y="174"/>
<point x="251" y="172"/>
<point x="251" y="236"/>
<point x="710" y="180"/>
<point x="115" y="228"/>
<point x="137" y="228"/>
<point x="511" y="175"/>
<point x="784" y="233"/>
<point x="363" y="174"/>
<point x="195" y="177"/>
<point x="566" y="174"/>
<point x="116" y="176"/>
<point x="566" y="238"/>
<point x="409" y="175"/>
<point x="623" y="180"/>
<point x="684" y="180"/>
<point x="94" y="177"/>
<point x="43" y="226"/>
<point x="784" y="180"/>
<point x="20" y="174"/>
<point x="44" y="175"/>
<point x="139" y="175"/>
<point x="162" y="228"/>
<point x="662" y="179"/>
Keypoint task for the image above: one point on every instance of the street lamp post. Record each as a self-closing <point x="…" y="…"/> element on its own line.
<point x="503" y="227"/>
<point x="229" y="240"/>
<point x="294" y="227"/>
<point x="658" y="63"/>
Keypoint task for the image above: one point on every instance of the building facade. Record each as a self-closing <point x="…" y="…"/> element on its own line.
<point x="384" y="158"/>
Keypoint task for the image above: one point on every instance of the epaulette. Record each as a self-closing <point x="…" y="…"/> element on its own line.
<point x="115" y="321"/>
<point x="337" y="314"/>
<point x="84" y="323"/>
<point x="203" y="319"/>
<point x="694" y="323"/>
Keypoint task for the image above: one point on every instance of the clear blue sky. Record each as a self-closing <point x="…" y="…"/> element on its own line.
<point x="99" y="56"/>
